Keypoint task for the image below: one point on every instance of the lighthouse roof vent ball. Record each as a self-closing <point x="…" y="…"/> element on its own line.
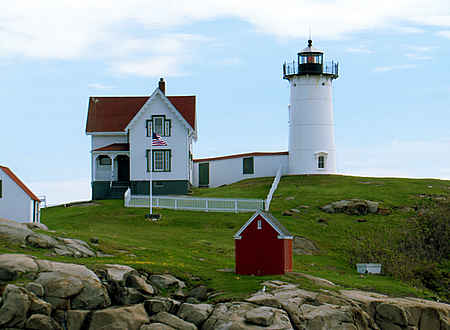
<point x="311" y="49"/>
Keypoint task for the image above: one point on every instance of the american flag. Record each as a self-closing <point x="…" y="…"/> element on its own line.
<point x="157" y="141"/>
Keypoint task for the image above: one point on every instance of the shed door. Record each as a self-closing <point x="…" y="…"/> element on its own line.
<point x="203" y="174"/>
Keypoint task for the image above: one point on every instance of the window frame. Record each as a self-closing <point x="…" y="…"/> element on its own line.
<point x="166" y="125"/>
<point x="248" y="170"/>
<point x="166" y="160"/>
<point x="102" y="157"/>
<point x="321" y="162"/>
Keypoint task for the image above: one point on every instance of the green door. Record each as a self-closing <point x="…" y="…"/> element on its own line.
<point x="203" y="175"/>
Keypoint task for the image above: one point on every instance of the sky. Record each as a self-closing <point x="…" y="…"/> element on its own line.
<point x="391" y="100"/>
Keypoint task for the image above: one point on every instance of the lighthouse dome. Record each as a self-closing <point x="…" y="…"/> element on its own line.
<point x="310" y="49"/>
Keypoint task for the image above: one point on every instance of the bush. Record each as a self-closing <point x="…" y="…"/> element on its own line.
<point x="417" y="252"/>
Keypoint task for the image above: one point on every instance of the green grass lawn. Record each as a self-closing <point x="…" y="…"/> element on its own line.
<point x="194" y="245"/>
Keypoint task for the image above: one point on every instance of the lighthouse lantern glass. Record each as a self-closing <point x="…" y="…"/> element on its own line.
<point x="311" y="58"/>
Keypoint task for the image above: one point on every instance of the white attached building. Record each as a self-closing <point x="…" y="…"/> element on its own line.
<point x="17" y="202"/>
<point x="121" y="143"/>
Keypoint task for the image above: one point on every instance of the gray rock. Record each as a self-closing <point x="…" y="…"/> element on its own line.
<point x="63" y="251"/>
<point x="156" y="326"/>
<point x="13" y="231"/>
<point x="76" y="319"/>
<point x="36" y="288"/>
<point x="13" y="312"/>
<point x="199" y="292"/>
<point x="137" y="282"/>
<point x="35" y="225"/>
<point x="166" y="281"/>
<point x="196" y="314"/>
<point x="392" y="313"/>
<point x="119" y="318"/>
<point x="117" y="273"/>
<point x="161" y="304"/>
<point x="58" y="303"/>
<point x="42" y="322"/>
<point x="129" y="296"/>
<point x="173" y="321"/>
<point x="302" y="245"/>
<point x="39" y="306"/>
<point x="327" y="317"/>
<point x="15" y="265"/>
<point x="41" y="241"/>
<point x="60" y="285"/>
<point x="233" y="316"/>
<point x="372" y="206"/>
<point x="260" y="316"/>
<point x="92" y="296"/>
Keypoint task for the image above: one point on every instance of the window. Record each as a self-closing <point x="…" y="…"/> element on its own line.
<point x="161" y="160"/>
<point x="259" y="224"/>
<point x="321" y="162"/>
<point x="247" y="165"/>
<point x="104" y="160"/>
<point x="160" y="126"/>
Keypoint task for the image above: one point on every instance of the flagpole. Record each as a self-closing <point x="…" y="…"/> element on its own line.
<point x="151" y="169"/>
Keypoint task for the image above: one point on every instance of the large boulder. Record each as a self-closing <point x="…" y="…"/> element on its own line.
<point x="261" y="316"/>
<point x="119" y="318"/>
<point x="235" y="316"/>
<point x="16" y="304"/>
<point x="14" y="265"/>
<point x="173" y="321"/>
<point x="137" y="282"/>
<point x="76" y="319"/>
<point x="60" y="285"/>
<point x="195" y="313"/>
<point x="166" y="281"/>
<point x="327" y="317"/>
<point x="117" y="273"/>
<point x="41" y="241"/>
<point x="42" y="322"/>
<point x="352" y="207"/>
<point x="161" y="304"/>
<point x="93" y="294"/>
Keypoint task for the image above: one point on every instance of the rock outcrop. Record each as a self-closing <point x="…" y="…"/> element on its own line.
<point x="352" y="207"/>
<point x="58" y="295"/>
<point x="21" y="233"/>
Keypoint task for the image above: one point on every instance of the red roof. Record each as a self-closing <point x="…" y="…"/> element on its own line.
<point x="13" y="177"/>
<point x="250" y="154"/>
<point x="112" y="114"/>
<point x="115" y="147"/>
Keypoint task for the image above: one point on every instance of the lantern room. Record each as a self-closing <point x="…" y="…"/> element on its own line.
<point x="310" y="60"/>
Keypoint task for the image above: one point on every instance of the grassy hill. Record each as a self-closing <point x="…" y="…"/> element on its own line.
<point x="195" y="245"/>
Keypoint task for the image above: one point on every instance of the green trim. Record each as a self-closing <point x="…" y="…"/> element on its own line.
<point x="160" y="187"/>
<point x="167" y="156"/>
<point x="166" y="131"/>
<point x="248" y="165"/>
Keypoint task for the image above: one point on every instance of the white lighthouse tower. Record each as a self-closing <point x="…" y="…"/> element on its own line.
<point x="311" y="125"/>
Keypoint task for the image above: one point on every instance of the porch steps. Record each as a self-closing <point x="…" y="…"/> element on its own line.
<point x="118" y="189"/>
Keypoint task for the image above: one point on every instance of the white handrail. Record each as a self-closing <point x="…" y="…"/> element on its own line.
<point x="272" y="189"/>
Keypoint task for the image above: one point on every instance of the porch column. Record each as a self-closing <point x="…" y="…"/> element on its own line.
<point x="112" y="167"/>
<point x="94" y="167"/>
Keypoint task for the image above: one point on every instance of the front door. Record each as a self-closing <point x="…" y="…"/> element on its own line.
<point x="203" y="174"/>
<point x="123" y="168"/>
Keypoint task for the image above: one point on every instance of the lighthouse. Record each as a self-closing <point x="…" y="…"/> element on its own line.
<point x="311" y="125"/>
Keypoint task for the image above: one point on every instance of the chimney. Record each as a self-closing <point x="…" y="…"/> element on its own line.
<point x="162" y="85"/>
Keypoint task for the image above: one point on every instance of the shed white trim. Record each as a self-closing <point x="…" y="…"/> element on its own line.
<point x="281" y="235"/>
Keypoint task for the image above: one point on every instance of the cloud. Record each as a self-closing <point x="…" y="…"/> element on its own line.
<point x="415" y="56"/>
<point x="62" y="29"/>
<point x="394" y="67"/>
<point x="158" y="66"/>
<point x="100" y="86"/>
<point x="359" y="50"/>
<point x="444" y="33"/>
<point x="413" y="159"/>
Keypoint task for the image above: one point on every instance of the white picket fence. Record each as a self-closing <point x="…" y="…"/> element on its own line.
<point x="275" y="183"/>
<point x="194" y="203"/>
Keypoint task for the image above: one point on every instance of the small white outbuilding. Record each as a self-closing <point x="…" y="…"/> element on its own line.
<point x="17" y="202"/>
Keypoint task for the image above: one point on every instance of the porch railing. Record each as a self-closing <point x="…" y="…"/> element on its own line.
<point x="272" y="189"/>
<point x="194" y="203"/>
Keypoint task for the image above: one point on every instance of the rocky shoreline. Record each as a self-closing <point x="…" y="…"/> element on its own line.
<point x="57" y="295"/>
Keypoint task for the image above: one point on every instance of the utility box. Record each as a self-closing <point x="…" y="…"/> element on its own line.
<point x="368" y="268"/>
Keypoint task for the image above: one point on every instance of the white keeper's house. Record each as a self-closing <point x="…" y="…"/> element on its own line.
<point x="17" y="202"/>
<point x="119" y="128"/>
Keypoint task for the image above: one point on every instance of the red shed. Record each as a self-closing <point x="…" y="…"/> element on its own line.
<point x="263" y="246"/>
